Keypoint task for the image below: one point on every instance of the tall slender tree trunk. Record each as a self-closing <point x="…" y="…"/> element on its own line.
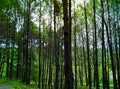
<point x="88" y="55"/>
<point x="84" y="57"/>
<point x="12" y="58"/>
<point x="109" y="39"/>
<point x="26" y="70"/>
<point x="119" y="62"/>
<point x="94" y="55"/>
<point x="103" y="49"/>
<point x="18" y="69"/>
<point x="39" y="72"/>
<point x="7" y="48"/>
<point x="56" y="49"/>
<point x="61" y="65"/>
<point x="67" y="45"/>
<point x="117" y="37"/>
<point x="50" y="58"/>
<point x="42" y="67"/>
<point x="2" y="62"/>
<point x="13" y="44"/>
<point x="103" y="46"/>
<point x="75" y="48"/>
<point x="112" y="59"/>
<point x="96" y="52"/>
<point x="108" y="68"/>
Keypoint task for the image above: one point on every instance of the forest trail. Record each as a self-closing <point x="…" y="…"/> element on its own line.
<point x="5" y="86"/>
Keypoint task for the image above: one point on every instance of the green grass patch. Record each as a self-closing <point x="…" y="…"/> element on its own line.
<point x="14" y="84"/>
<point x="83" y="87"/>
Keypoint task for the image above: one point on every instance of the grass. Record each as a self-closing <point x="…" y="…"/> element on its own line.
<point x="14" y="84"/>
<point x="84" y="87"/>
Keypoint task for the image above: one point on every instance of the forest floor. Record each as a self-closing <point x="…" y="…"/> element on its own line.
<point x="5" y="86"/>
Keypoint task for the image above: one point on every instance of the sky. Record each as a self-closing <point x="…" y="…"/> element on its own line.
<point x="35" y="16"/>
<point x="81" y="1"/>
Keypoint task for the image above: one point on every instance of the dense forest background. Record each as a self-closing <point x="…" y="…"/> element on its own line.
<point x="61" y="44"/>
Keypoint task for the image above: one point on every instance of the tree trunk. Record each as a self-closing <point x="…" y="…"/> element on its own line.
<point x="75" y="49"/>
<point x="67" y="46"/>
<point x="84" y="57"/>
<point x="96" y="52"/>
<point x="88" y="55"/>
<point x="117" y="39"/>
<point x="103" y="49"/>
<point x="109" y="40"/>
<point x="7" y="49"/>
<point x="39" y="71"/>
<point x="56" y="50"/>
<point x="26" y="70"/>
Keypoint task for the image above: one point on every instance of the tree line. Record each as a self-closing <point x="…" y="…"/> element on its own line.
<point x="61" y="44"/>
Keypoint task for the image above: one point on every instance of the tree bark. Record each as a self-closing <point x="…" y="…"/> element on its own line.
<point x="67" y="46"/>
<point x="88" y="55"/>
<point x="96" y="52"/>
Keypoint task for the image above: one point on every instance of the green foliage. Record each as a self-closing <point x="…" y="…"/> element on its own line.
<point x="34" y="68"/>
<point x="10" y="8"/>
<point x="18" y="85"/>
<point x="84" y="87"/>
<point x="57" y="6"/>
<point x="14" y="84"/>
